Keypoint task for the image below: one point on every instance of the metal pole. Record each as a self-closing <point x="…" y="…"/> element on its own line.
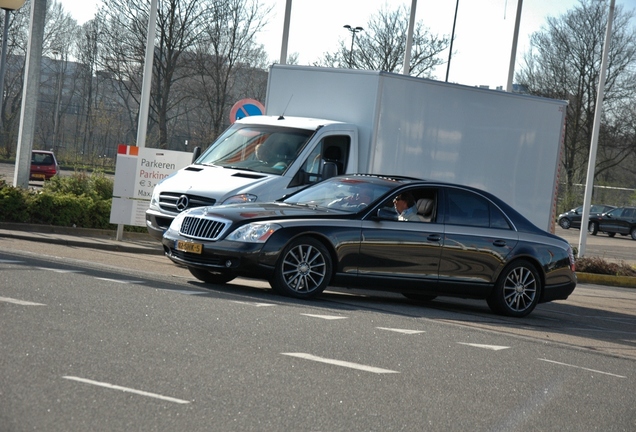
<point x="30" y="94"/>
<point x="591" y="165"/>
<point x="142" y="127"/>
<point x="406" y="69"/>
<point x="283" y="47"/>
<point x="353" y="38"/>
<point x="450" y="51"/>
<point x="513" y="53"/>
<point x="353" y="31"/>
<point x="3" y="70"/>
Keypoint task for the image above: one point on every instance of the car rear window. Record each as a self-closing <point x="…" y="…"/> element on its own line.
<point x="42" y="159"/>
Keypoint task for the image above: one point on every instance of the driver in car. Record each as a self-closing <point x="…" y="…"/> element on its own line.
<point x="266" y="154"/>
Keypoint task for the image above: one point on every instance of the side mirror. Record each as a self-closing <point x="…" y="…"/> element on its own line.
<point x="196" y="152"/>
<point x="329" y="169"/>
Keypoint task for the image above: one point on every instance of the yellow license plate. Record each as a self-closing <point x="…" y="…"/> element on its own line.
<point x="183" y="246"/>
<point x="39" y="176"/>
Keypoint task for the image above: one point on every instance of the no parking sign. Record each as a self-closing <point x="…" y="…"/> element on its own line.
<point x="244" y="108"/>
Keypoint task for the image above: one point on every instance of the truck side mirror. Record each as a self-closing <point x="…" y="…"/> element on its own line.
<point x="329" y="169"/>
<point x="196" y="152"/>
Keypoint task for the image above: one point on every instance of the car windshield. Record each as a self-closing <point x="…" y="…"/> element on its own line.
<point x="265" y="149"/>
<point x="347" y="194"/>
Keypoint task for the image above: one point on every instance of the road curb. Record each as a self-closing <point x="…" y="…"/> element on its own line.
<point x="599" y="279"/>
<point x="140" y="243"/>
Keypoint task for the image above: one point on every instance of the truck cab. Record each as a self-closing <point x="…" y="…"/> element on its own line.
<point x="260" y="158"/>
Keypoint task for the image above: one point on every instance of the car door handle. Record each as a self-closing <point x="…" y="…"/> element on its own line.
<point x="499" y="243"/>
<point x="434" y="237"/>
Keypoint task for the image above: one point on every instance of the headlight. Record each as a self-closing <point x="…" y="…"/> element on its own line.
<point x="154" y="201"/>
<point x="240" y="199"/>
<point x="176" y="223"/>
<point x="255" y="232"/>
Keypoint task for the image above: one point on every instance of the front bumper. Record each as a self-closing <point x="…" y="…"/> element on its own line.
<point x="157" y="223"/>
<point x="242" y="259"/>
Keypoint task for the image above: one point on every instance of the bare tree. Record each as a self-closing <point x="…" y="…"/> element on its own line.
<point x="564" y="63"/>
<point x="229" y="62"/>
<point x="180" y="24"/>
<point x="13" y="80"/>
<point x="382" y="44"/>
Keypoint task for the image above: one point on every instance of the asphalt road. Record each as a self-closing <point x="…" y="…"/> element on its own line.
<point x="95" y="340"/>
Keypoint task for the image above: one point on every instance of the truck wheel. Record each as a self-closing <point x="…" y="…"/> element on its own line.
<point x="516" y="292"/>
<point x="592" y="228"/>
<point x="206" y="276"/>
<point x="633" y="233"/>
<point x="303" y="269"/>
<point x="565" y="223"/>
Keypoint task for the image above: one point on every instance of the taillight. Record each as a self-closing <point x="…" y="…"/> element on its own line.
<point x="572" y="261"/>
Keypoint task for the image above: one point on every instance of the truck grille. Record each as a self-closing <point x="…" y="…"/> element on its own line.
<point x="201" y="228"/>
<point x="177" y="202"/>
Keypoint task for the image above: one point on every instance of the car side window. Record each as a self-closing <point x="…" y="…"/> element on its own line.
<point x="467" y="208"/>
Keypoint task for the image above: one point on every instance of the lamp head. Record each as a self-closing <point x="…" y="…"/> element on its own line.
<point x="11" y="4"/>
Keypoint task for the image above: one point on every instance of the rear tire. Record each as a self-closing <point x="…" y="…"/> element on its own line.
<point x="592" y="228"/>
<point x="517" y="290"/>
<point x="633" y="233"/>
<point x="206" y="276"/>
<point x="565" y="223"/>
<point x="303" y="269"/>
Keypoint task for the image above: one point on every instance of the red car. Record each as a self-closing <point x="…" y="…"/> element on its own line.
<point x="43" y="165"/>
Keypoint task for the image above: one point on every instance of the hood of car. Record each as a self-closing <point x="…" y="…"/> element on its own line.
<point x="264" y="211"/>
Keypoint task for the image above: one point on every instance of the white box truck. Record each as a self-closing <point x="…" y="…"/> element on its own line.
<point x="376" y="122"/>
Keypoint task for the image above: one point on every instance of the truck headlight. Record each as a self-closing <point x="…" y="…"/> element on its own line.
<point x="175" y="225"/>
<point x="154" y="201"/>
<point x="240" y="199"/>
<point x="255" y="232"/>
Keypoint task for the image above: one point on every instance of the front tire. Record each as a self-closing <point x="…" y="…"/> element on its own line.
<point x="565" y="223"/>
<point x="517" y="290"/>
<point x="206" y="276"/>
<point x="303" y="269"/>
<point x="592" y="228"/>
<point x="633" y="233"/>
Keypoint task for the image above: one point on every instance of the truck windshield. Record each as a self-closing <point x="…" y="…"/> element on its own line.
<point x="260" y="148"/>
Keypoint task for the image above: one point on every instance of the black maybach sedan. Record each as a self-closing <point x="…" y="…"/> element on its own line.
<point x="345" y="232"/>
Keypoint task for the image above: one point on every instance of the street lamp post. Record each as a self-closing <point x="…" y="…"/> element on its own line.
<point x="353" y="31"/>
<point x="8" y="6"/>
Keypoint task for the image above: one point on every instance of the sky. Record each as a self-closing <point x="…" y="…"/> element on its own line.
<point x="483" y="30"/>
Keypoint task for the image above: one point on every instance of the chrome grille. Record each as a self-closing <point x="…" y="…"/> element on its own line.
<point x="202" y="228"/>
<point x="168" y="201"/>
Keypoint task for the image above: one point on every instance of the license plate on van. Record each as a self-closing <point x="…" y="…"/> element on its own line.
<point x="184" y="246"/>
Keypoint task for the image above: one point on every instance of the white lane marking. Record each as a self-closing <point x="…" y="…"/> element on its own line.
<point x="325" y="317"/>
<point x="584" y="368"/>
<point x="257" y="304"/>
<point x="126" y="389"/>
<point x="404" y="331"/>
<point x="122" y="281"/>
<point x="490" y="347"/>
<point x="59" y="270"/>
<point x="20" y="302"/>
<point x="347" y="364"/>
